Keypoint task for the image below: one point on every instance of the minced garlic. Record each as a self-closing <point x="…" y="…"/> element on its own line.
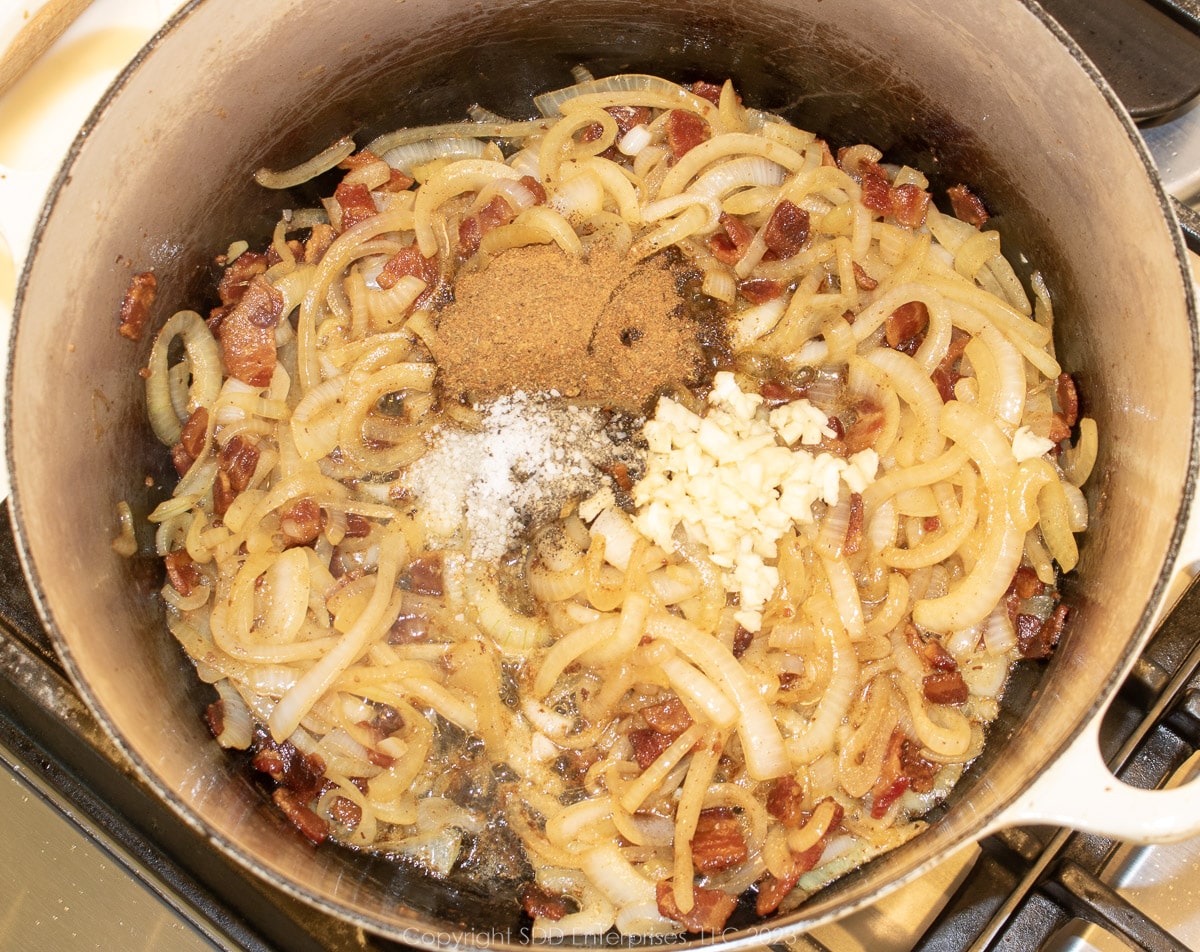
<point x="736" y="479"/>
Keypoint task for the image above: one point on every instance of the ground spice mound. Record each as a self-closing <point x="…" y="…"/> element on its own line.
<point x="600" y="328"/>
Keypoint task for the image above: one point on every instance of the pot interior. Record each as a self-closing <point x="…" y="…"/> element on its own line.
<point x="162" y="180"/>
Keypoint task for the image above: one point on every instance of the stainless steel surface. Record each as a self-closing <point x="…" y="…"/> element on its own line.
<point x="64" y="893"/>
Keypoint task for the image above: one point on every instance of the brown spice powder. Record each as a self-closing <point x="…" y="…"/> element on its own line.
<point x="599" y="329"/>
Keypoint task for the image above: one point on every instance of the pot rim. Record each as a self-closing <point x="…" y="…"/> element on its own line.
<point x="778" y="929"/>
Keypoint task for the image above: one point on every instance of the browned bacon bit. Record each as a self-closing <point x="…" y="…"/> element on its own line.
<point x="967" y="206"/>
<point x="909" y="205"/>
<point x="356" y="203"/>
<point x="876" y="191"/>
<point x="620" y="475"/>
<point x="1068" y="398"/>
<point x="238" y="459"/>
<point x="1059" y="428"/>
<point x="742" y="640"/>
<point x="1026" y="584"/>
<point x="865" y="428"/>
<point x="827" y="159"/>
<point x="862" y="279"/>
<point x="294" y="246"/>
<point x="469" y="235"/>
<point x="629" y="117"/>
<point x="314" y="828"/>
<point x="685" y="131"/>
<point x="648" y="745"/>
<point x="408" y="629"/>
<point x="776" y="393"/>
<point x="300" y="522"/>
<point x="346" y="812"/>
<point x="905" y="323"/>
<point x="730" y="244"/>
<point x="929" y="650"/>
<point x="184" y="574"/>
<point x="760" y="290"/>
<point x="668" y="717"/>
<point x="192" y="441"/>
<point x="357" y="527"/>
<point x="248" y="333"/>
<point x="409" y="262"/>
<point x="1037" y="638"/>
<point x="319" y="240"/>
<point x="303" y="774"/>
<point x="237" y="276"/>
<point x="536" y="189"/>
<point x="709" y="91"/>
<point x="772" y="890"/>
<point x="786" y="800"/>
<point x="786" y="231"/>
<point x="854" y="529"/>
<point x="539" y="904"/>
<point x="708" y="915"/>
<point x="214" y="716"/>
<point x="944" y="375"/>
<point x="397" y="182"/>
<point x="931" y="523"/>
<point x="135" y="305"/>
<point x="945" y="687"/>
<point x="425" y="574"/>
<point x="718" y="842"/>
<point x="893" y="779"/>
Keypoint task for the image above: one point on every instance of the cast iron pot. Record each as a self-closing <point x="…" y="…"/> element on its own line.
<point x="987" y="92"/>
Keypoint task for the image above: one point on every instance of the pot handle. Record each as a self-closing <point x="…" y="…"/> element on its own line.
<point x="1112" y="808"/>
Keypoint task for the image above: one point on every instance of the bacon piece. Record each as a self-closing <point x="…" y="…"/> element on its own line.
<point x="356" y="203"/>
<point x="314" y="827"/>
<point x="706" y="90"/>
<point x="862" y="279"/>
<point x="931" y="523"/>
<point x="357" y="527"/>
<point x="346" y="812"/>
<point x="760" y="290"/>
<point x="628" y="117"/>
<point x="248" y="333"/>
<point x="495" y="213"/>
<point x="539" y="904"/>
<point x="730" y="244"/>
<point x="945" y="687"/>
<point x="785" y="801"/>
<point x="718" y="842"/>
<point x="238" y="459"/>
<point x="619" y="473"/>
<point x="409" y="261"/>
<point x="425" y="574"/>
<point x="876" y="190"/>
<point x="300" y="521"/>
<point x="192" y="441"/>
<point x="854" y="529"/>
<point x="776" y="393"/>
<point x="668" y="717"/>
<point x="648" y="745"/>
<point x="772" y="890"/>
<point x="214" y="716"/>
<point x="903" y="768"/>
<point x="909" y="205"/>
<point x="1059" y="429"/>
<point x="742" y="640"/>
<point x="786" y="231"/>
<point x="685" y="130"/>
<point x="135" y="305"/>
<point x="865" y="428"/>
<point x="238" y="275"/>
<point x="711" y="911"/>
<point x="536" y="187"/>
<point x="1068" y="398"/>
<point x="319" y="239"/>
<point x="183" y="573"/>
<point x="1036" y="638"/>
<point x="944" y="375"/>
<point x="397" y="180"/>
<point x="929" y="650"/>
<point x="905" y="323"/>
<point x="967" y="206"/>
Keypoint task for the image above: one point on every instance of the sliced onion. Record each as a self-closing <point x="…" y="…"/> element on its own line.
<point x="323" y="161"/>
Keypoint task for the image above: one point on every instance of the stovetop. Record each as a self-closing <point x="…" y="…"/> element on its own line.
<point x="90" y="858"/>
